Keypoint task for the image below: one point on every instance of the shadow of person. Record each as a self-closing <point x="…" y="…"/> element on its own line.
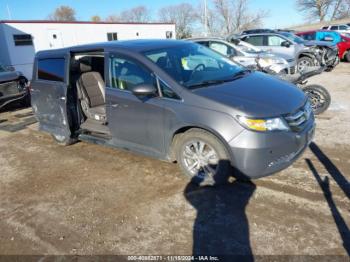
<point x="332" y="169"/>
<point x="221" y="227"/>
<point x="338" y="219"/>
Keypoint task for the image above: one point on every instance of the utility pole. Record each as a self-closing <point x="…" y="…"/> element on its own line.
<point x="205" y="19"/>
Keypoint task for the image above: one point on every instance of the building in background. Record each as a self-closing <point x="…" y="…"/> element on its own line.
<point x="20" y="40"/>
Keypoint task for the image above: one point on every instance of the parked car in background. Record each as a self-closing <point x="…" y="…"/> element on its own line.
<point x="342" y="29"/>
<point x="334" y="37"/>
<point x="279" y="43"/>
<point x="13" y="87"/>
<point x="173" y="100"/>
<point x="247" y="54"/>
<point x="257" y="31"/>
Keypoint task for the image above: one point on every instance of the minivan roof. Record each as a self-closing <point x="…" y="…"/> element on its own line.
<point x="139" y="45"/>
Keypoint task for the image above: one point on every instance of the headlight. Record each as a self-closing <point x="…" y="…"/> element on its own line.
<point x="266" y="61"/>
<point x="263" y="125"/>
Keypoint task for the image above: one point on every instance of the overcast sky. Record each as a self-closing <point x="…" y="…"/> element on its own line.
<point x="282" y="12"/>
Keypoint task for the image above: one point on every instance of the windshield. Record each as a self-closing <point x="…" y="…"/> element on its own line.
<point x="293" y="37"/>
<point x="193" y="65"/>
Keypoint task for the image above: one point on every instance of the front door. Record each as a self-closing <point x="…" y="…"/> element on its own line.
<point x="48" y="95"/>
<point x="134" y="122"/>
<point x="54" y="38"/>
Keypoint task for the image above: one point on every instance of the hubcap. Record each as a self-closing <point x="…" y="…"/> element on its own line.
<point x="200" y="159"/>
<point x="60" y="138"/>
<point x="303" y="64"/>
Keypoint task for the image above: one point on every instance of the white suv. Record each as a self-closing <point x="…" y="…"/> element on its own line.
<point x="342" y="29"/>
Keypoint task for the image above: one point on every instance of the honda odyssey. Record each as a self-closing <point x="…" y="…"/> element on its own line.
<point x="173" y="100"/>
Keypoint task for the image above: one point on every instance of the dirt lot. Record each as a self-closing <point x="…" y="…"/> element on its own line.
<point x="88" y="199"/>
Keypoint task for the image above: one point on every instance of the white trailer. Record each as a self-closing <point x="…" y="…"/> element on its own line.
<point x="20" y="40"/>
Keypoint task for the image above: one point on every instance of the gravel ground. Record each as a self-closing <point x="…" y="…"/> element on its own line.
<point x="88" y="199"/>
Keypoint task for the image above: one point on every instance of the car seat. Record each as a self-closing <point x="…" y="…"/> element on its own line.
<point x="91" y="91"/>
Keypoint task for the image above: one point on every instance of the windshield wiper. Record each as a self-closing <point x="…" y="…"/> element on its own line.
<point x="207" y="83"/>
<point x="241" y="73"/>
<point x="236" y="76"/>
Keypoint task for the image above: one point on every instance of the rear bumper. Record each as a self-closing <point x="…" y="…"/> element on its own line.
<point x="258" y="154"/>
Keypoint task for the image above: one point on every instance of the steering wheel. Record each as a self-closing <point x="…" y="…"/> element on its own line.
<point x="196" y="69"/>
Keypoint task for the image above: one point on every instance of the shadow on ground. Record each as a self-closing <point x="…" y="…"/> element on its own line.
<point x="340" y="179"/>
<point x="13" y="121"/>
<point x="221" y="226"/>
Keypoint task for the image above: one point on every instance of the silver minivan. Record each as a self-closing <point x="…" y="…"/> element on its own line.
<point x="173" y="100"/>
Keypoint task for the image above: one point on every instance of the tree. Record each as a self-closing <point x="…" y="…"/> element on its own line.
<point x="315" y="9"/>
<point x="234" y="15"/>
<point x="182" y="15"/>
<point x="96" y="18"/>
<point x="63" y="13"/>
<point x="139" y="14"/>
<point x="113" y="18"/>
<point x="342" y="10"/>
<point x="210" y="22"/>
<point x="322" y="10"/>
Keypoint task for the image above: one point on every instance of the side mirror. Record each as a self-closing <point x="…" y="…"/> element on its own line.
<point x="286" y="44"/>
<point x="144" y="90"/>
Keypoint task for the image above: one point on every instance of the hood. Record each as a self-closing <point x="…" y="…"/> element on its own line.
<point x="256" y="95"/>
<point x="318" y="43"/>
<point x="8" y="76"/>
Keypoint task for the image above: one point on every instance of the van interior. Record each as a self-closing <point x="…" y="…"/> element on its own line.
<point x="86" y="95"/>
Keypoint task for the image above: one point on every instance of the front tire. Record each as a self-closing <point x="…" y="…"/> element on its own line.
<point x="203" y="157"/>
<point x="304" y="62"/>
<point x="63" y="140"/>
<point x="319" y="98"/>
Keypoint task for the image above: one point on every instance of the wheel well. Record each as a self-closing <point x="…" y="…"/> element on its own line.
<point x="346" y="52"/>
<point x="175" y="138"/>
<point x="303" y="55"/>
<point x="177" y="134"/>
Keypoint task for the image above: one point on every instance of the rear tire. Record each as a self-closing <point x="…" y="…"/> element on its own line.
<point x="63" y="140"/>
<point x="319" y="97"/>
<point x="347" y="56"/>
<point x="203" y="158"/>
<point x="304" y="62"/>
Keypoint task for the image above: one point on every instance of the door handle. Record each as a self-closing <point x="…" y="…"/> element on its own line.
<point x="114" y="105"/>
<point x="63" y="98"/>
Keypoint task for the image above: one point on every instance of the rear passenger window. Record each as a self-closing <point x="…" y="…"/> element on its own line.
<point x="257" y="40"/>
<point x="51" y="69"/>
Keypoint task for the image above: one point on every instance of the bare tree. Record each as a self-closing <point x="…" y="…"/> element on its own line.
<point x="315" y="9"/>
<point x="343" y="10"/>
<point x="235" y="16"/>
<point x="183" y="15"/>
<point x="136" y="14"/>
<point x="209" y="22"/>
<point x="224" y="9"/>
<point x="337" y="4"/>
<point x="63" y="13"/>
<point x="113" y="18"/>
<point x="96" y="18"/>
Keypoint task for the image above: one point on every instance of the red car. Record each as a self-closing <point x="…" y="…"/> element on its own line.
<point x="342" y="41"/>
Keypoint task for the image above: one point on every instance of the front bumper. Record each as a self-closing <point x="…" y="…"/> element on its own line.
<point x="257" y="154"/>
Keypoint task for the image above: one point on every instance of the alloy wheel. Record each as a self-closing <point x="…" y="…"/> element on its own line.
<point x="200" y="158"/>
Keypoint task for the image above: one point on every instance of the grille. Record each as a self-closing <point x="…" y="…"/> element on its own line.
<point x="298" y="120"/>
